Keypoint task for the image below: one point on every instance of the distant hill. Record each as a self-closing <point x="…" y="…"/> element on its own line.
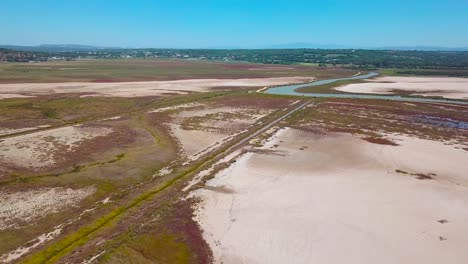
<point x="305" y="45"/>
<point x="424" y="48"/>
<point x="56" y="48"/>
<point x="295" y="45"/>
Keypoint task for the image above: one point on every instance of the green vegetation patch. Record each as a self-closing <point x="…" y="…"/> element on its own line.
<point x="328" y="88"/>
<point x="427" y="72"/>
<point x="161" y="248"/>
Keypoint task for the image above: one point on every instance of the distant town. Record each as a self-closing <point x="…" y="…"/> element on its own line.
<point x="354" y="58"/>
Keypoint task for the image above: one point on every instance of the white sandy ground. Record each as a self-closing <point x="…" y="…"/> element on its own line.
<point x="37" y="150"/>
<point x="206" y="172"/>
<point x="176" y="107"/>
<point x="12" y="95"/>
<point x="7" y="131"/>
<point x="447" y="87"/>
<point x="339" y="201"/>
<point x="134" y="89"/>
<point x="93" y="258"/>
<point x="49" y="235"/>
<point x="199" y="141"/>
<point x="28" y="206"/>
<point x="111" y="118"/>
<point x="194" y="141"/>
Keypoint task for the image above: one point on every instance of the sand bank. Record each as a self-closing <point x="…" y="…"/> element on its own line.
<point x="447" y="87"/>
<point x="133" y="89"/>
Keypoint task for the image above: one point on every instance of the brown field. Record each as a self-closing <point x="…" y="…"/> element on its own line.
<point x="103" y="71"/>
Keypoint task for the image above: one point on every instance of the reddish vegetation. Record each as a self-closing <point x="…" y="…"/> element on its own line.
<point x="422" y="176"/>
<point x="224" y="88"/>
<point x="254" y="102"/>
<point x="105" y="80"/>
<point x="259" y="67"/>
<point x="183" y="224"/>
<point x="27" y="123"/>
<point x="243" y="66"/>
<point x="128" y="79"/>
<point x="396" y="108"/>
<point x="67" y="159"/>
<point x="158" y="70"/>
<point x="371" y="117"/>
<point x="119" y="137"/>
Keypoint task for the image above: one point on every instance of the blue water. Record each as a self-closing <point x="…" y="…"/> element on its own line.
<point x="291" y="90"/>
<point x="439" y="121"/>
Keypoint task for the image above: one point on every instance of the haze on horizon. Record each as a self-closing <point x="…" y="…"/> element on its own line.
<point x="236" y="24"/>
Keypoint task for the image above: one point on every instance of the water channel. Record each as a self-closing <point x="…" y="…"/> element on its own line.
<point x="291" y="90"/>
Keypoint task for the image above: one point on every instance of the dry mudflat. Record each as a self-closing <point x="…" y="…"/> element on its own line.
<point x="302" y="197"/>
<point x="59" y="177"/>
<point x="23" y="208"/>
<point x="200" y="128"/>
<point x="138" y="89"/>
<point x="8" y="131"/>
<point x="336" y="198"/>
<point x="42" y="149"/>
<point x="447" y="87"/>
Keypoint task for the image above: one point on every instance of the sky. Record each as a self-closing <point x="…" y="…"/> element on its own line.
<point x="234" y="24"/>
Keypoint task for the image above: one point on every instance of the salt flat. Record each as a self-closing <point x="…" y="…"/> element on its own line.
<point x="447" y="87"/>
<point x="200" y="128"/>
<point x="132" y="89"/>
<point x="339" y="199"/>
<point x="23" y="207"/>
<point x="40" y="149"/>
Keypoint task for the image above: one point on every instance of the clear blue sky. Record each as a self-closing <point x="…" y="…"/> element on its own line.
<point x="241" y="23"/>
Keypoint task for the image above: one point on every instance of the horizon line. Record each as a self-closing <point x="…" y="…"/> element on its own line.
<point x="296" y="45"/>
